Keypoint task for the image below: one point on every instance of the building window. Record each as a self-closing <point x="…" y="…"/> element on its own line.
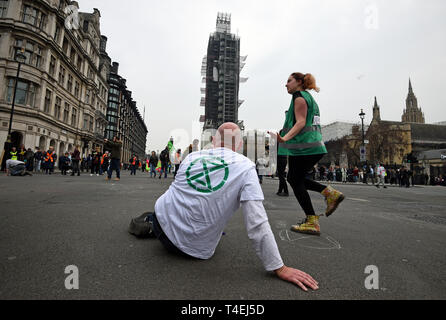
<point x="25" y="92"/>
<point x="79" y="63"/>
<point x="91" y="124"/>
<point x="52" y="68"/>
<point x="30" y="15"/>
<point x="70" y="83"/>
<point x="65" y="46"/>
<point x="47" y="104"/>
<point x="66" y="111"/>
<point x="74" y="118"/>
<point x="61" y="76"/>
<point x="57" y="107"/>
<point x="3" y="8"/>
<point x="72" y="55"/>
<point x="34" y="17"/>
<point x="57" y="33"/>
<point x="87" y="97"/>
<point x="114" y="91"/>
<point x="32" y="51"/>
<point x="76" y="89"/>
<point x="85" y="127"/>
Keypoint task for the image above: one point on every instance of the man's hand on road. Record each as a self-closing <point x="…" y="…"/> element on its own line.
<point x="298" y="277"/>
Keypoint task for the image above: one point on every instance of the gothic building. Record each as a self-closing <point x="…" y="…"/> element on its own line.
<point x="390" y="142"/>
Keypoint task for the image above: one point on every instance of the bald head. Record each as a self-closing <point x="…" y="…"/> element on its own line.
<point x="228" y="135"/>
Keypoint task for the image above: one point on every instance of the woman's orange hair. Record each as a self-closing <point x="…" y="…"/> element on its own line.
<point x="308" y="81"/>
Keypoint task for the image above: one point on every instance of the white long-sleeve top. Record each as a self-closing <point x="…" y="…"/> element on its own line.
<point x="261" y="235"/>
<point x="211" y="185"/>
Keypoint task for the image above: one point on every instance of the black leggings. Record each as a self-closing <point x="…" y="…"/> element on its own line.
<point x="300" y="180"/>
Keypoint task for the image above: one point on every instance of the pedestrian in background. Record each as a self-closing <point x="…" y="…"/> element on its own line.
<point x="381" y="175"/>
<point x="75" y="158"/>
<point x="153" y="162"/>
<point x="21" y="153"/>
<point x="115" y="157"/>
<point x="372" y="174"/>
<point x="96" y="161"/>
<point x="132" y="162"/>
<point x="104" y="163"/>
<point x="344" y="174"/>
<point x="38" y="156"/>
<point x="282" y="162"/>
<point x="147" y="165"/>
<point x="164" y="158"/>
<point x="261" y="165"/>
<point x="29" y="160"/>
<point x="64" y="163"/>
<point x="177" y="162"/>
<point x="50" y="160"/>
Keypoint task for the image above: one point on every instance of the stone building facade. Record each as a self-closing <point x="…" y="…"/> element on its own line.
<point x="124" y="119"/>
<point x="63" y="87"/>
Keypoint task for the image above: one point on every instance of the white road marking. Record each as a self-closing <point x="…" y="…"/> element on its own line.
<point x="356" y="199"/>
<point x="285" y="236"/>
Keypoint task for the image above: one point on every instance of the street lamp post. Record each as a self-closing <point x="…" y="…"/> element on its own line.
<point x="362" y="116"/>
<point x="20" y="58"/>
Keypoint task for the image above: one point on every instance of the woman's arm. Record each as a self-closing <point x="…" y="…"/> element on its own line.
<point x="300" y="113"/>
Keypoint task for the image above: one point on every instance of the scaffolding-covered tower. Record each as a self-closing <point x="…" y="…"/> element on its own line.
<point x="221" y="73"/>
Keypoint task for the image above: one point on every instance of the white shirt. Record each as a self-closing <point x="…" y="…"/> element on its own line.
<point x="12" y="163"/>
<point x="381" y="171"/>
<point x="210" y="186"/>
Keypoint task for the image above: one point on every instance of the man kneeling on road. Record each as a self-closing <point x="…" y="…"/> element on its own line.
<point x="210" y="186"/>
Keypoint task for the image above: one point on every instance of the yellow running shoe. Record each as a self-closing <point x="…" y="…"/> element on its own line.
<point x="309" y="226"/>
<point x="333" y="198"/>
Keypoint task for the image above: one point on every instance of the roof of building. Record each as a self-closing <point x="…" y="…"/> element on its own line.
<point x="337" y="130"/>
<point x="392" y="122"/>
<point x="431" y="154"/>
<point x="428" y="132"/>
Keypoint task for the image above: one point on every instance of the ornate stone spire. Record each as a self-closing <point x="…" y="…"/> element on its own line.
<point x="376" y="112"/>
<point x="412" y="113"/>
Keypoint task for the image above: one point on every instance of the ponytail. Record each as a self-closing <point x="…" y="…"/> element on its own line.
<point x="308" y="81"/>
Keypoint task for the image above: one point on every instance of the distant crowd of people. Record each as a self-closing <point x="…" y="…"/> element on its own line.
<point x="98" y="162"/>
<point x="374" y="174"/>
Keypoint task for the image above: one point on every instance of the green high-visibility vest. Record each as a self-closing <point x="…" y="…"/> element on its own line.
<point x="13" y="155"/>
<point x="309" y="140"/>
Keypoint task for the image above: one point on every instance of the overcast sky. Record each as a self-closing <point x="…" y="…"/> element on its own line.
<point x="356" y="50"/>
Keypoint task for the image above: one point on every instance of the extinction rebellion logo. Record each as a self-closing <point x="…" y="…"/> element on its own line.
<point x="202" y="181"/>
